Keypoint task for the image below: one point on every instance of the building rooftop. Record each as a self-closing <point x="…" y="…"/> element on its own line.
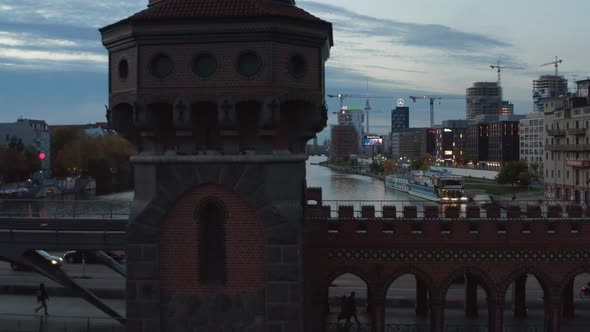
<point x="178" y="9"/>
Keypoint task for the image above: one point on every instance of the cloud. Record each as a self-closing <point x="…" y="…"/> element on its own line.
<point x="432" y="36"/>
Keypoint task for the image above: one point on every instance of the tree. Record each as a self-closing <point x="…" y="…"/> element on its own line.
<point x="18" y="161"/>
<point x="513" y="172"/>
<point x="422" y="163"/>
<point x="61" y="137"/>
<point x="389" y="166"/>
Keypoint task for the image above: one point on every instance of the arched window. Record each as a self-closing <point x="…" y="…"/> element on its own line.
<point x="211" y="216"/>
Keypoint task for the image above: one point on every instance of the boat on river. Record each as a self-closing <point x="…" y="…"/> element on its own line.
<point x="434" y="184"/>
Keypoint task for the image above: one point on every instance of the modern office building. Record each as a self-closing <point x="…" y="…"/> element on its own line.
<point x="503" y="145"/>
<point x="450" y="142"/>
<point x="532" y="142"/>
<point x="344" y="140"/>
<point x="567" y="146"/>
<point x="413" y="143"/>
<point x="353" y="116"/>
<point x="33" y="133"/>
<point x="507" y="108"/>
<point x="476" y="145"/>
<point x="547" y="87"/>
<point x="483" y="98"/>
<point x="400" y="119"/>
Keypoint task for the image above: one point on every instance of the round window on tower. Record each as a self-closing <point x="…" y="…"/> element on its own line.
<point x="162" y="66"/>
<point x="249" y="63"/>
<point x="123" y="69"/>
<point x="297" y="66"/>
<point x="204" y="65"/>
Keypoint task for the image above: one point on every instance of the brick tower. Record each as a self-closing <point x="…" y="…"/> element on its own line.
<point x="221" y="96"/>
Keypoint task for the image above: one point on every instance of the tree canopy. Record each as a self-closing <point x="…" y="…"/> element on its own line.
<point x="514" y="172"/>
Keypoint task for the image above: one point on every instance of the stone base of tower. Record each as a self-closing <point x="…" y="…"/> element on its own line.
<point x="259" y="287"/>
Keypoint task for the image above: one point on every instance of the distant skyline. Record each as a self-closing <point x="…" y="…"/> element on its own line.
<point x="53" y="66"/>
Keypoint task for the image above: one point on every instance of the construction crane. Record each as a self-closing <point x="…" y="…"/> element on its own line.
<point x="500" y="68"/>
<point x="432" y="99"/>
<point x="555" y="63"/>
<point x="343" y="96"/>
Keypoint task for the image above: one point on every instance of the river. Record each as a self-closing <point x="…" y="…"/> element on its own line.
<point x="335" y="185"/>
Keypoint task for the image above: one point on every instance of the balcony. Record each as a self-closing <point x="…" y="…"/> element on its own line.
<point x="576" y="131"/>
<point x="556" y="132"/>
<point x="578" y="163"/>
<point x="567" y="147"/>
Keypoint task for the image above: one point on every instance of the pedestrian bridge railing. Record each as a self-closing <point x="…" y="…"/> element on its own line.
<point x="74" y="209"/>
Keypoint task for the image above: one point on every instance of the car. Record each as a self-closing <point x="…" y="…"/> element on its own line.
<point x="76" y="256"/>
<point x="51" y="259"/>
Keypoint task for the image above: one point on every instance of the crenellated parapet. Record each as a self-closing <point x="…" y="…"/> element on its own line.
<point x="494" y="247"/>
<point x="494" y="225"/>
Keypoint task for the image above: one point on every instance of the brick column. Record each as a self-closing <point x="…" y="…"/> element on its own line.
<point x="437" y="316"/>
<point x="470" y="296"/>
<point x="421" y="298"/>
<point x="568" y="300"/>
<point x="553" y="316"/>
<point x="378" y="323"/>
<point x="495" y="315"/>
<point x="519" y="297"/>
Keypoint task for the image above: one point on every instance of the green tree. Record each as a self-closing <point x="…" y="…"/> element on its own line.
<point x="60" y="138"/>
<point x="18" y="161"/>
<point x="513" y="172"/>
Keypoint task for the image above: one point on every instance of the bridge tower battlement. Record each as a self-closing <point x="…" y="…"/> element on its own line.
<point x="221" y="98"/>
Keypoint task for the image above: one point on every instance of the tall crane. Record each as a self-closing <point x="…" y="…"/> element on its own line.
<point x="500" y="68"/>
<point x="432" y="99"/>
<point x="556" y="63"/>
<point x="343" y="96"/>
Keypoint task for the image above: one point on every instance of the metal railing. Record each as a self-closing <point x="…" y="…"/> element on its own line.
<point x="36" y="323"/>
<point x="51" y="209"/>
<point x="348" y="327"/>
<point x="406" y="328"/>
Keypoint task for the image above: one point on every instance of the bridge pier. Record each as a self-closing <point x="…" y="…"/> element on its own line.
<point x="568" y="301"/>
<point x="470" y="296"/>
<point x="421" y="298"/>
<point x="553" y="316"/>
<point x="495" y="315"/>
<point x="437" y="316"/>
<point x="378" y="322"/>
<point x="519" y="297"/>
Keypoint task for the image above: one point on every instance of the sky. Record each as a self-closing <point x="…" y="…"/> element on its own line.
<point x="54" y="67"/>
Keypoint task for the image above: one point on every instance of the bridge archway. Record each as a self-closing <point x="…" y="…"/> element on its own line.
<point x="575" y="300"/>
<point x="407" y="299"/>
<point x="464" y="292"/>
<point x="340" y="306"/>
<point x="527" y="292"/>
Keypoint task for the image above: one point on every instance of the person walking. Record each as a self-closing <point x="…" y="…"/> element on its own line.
<point x="42" y="297"/>
<point x="352" y="309"/>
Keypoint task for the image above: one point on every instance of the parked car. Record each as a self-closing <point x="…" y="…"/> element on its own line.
<point x="51" y="259"/>
<point x="76" y="256"/>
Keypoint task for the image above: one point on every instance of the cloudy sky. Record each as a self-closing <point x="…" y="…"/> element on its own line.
<point x="53" y="67"/>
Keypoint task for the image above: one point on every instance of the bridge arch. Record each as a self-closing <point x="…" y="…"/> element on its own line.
<point x="480" y="275"/>
<point x="416" y="272"/>
<point x="543" y="279"/>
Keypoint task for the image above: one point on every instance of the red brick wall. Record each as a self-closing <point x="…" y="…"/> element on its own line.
<point x="179" y="259"/>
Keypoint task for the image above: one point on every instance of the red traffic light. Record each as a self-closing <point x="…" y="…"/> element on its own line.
<point x="42" y="155"/>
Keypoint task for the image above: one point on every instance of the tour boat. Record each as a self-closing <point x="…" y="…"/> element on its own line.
<point x="434" y="185"/>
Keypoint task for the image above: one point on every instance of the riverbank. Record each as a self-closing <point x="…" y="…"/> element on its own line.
<point x="353" y="170"/>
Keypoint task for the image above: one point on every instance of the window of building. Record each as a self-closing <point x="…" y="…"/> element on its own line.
<point x="211" y="215"/>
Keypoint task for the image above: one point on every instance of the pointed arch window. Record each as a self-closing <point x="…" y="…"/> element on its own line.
<point x="211" y="216"/>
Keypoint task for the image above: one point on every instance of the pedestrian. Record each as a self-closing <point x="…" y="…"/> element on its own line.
<point x="343" y="309"/>
<point x="351" y="309"/>
<point x="42" y="298"/>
